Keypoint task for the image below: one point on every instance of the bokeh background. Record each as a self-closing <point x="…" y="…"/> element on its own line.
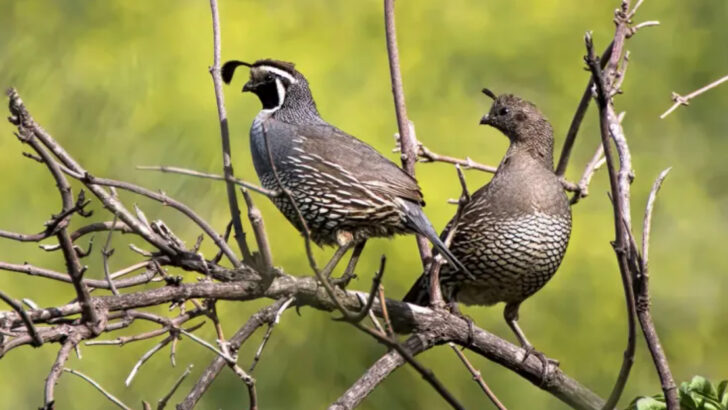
<point x="122" y="83"/>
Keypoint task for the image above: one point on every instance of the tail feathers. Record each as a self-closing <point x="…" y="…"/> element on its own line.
<point x="420" y="223"/>
<point x="419" y="294"/>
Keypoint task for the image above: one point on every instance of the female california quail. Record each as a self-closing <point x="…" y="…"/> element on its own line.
<point x="514" y="231"/>
<point x="342" y="186"/>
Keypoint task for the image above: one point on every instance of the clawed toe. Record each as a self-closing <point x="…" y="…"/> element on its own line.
<point x="546" y="363"/>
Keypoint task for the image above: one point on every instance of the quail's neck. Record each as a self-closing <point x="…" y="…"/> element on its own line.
<point x="538" y="146"/>
<point x="298" y="108"/>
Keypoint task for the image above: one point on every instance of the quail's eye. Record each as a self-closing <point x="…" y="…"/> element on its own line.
<point x="269" y="77"/>
<point x="503" y="111"/>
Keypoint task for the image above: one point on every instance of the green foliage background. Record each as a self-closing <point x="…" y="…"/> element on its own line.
<point x="122" y="83"/>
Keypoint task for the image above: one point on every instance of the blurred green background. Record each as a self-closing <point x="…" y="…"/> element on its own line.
<point x="122" y="83"/>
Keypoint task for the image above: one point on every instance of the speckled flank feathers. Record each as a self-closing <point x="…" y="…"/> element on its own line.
<point x="514" y="232"/>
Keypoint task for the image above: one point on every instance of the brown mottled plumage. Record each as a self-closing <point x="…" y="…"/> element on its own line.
<point x="513" y="233"/>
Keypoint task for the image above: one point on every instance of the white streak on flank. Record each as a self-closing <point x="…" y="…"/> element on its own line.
<point x="278" y="72"/>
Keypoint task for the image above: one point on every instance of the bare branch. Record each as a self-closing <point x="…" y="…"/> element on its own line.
<point x="265" y="315"/>
<point x="192" y="172"/>
<point x="99" y="388"/>
<point x="227" y="164"/>
<point x="57" y="369"/>
<point x="477" y="377"/>
<point x="162" y="403"/>
<point x="659" y="358"/>
<point x="685" y="100"/>
<point x="268" y="332"/>
<point x="261" y="238"/>
<point x="32" y="331"/>
<point x="408" y="140"/>
<point x="425" y="155"/>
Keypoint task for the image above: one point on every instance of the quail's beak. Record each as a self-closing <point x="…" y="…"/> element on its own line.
<point x="485" y="120"/>
<point x="249" y="86"/>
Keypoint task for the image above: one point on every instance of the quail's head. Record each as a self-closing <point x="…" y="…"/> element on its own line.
<point x="273" y="81"/>
<point x="517" y="118"/>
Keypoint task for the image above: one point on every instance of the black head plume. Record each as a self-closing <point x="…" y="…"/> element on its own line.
<point x="489" y="93"/>
<point x="228" y="69"/>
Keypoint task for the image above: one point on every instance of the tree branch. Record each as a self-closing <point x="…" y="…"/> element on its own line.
<point x="225" y="136"/>
<point x="408" y="141"/>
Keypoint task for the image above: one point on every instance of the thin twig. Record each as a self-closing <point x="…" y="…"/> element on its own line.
<point x="162" y="403"/>
<point x="685" y="100"/>
<point x="424" y="154"/>
<point x="261" y="237"/>
<point x="408" y="141"/>
<point x="57" y="369"/>
<point x="98" y="387"/>
<point x="105" y="255"/>
<point x="227" y="164"/>
<point x="268" y="332"/>
<point x="426" y="373"/>
<point x="477" y="377"/>
<point x="18" y="307"/>
<point x="199" y="174"/>
<point x="659" y="358"/>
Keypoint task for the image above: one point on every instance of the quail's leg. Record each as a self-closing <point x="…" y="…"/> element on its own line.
<point x="511" y="315"/>
<point x="331" y="265"/>
<point x="349" y="274"/>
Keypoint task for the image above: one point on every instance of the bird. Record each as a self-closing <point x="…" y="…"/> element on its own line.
<point x="346" y="191"/>
<point x="513" y="233"/>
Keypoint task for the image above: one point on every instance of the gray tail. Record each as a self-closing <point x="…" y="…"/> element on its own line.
<point x="419" y="294"/>
<point x="418" y="221"/>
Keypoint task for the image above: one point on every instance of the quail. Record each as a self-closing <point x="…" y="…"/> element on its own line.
<point x="345" y="190"/>
<point x="513" y="233"/>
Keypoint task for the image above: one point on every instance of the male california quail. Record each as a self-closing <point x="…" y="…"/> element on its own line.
<point x="345" y="190"/>
<point x="514" y="231"/>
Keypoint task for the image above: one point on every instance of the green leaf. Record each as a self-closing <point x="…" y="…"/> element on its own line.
<point x="723" y="393"/>
<point x="646" y="403"/>
<point x="703" y="387"/>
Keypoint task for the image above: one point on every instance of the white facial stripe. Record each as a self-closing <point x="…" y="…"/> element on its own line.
<point x="279" y="72"/>
<point x="281" y="92"/>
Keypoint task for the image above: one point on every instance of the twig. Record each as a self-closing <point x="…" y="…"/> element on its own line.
<point x="57" y="369"/>
<point x="408" y="141"/>
<point x="265" y="315"/>
<point x="225" y="136"/>
<point x="643" y="305"/>
<point x="576" y="121"/>
<point x="199" y="174"/>
<point x="582" y="188"/>
<point x="268" y="332"/>
<point x="477" y="377"/>
<point x="162" y="403"/>
<point x="685" y="100"/>
<point x="261" y="238"/>
<point x="425" y="155"/>
<point x="105" y="254"/>
<point x="426" y="373"/>
<point x="32" y="331"/>
<point x="166" y="200"/>
<point x="172" y="335"/>
<point x="98" y="387"/>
